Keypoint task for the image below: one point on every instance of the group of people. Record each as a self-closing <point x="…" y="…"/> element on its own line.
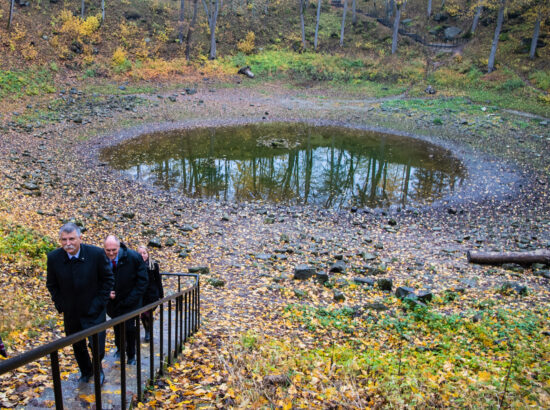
<point x="87" y="283"/>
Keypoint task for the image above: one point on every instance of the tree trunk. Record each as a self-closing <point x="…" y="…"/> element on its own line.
<point x="535" y="38"/>
<point x="302" y="24"/>
<point x="82" y="9"/>
<point x="477" y="15"/>
<point x="395" y="29"/>
<point x="498" y="28"/>
<point x="190" y="31"/>
<point x="212" y="16"/>
<point x="354" y="12"/>
<point x="429" y="8"/>
<point x="11" y="13"/>
<point x="181" y="20"/>
<point x="102" y="11"/>
<point x="497" y="258"/>
<point x="343" y="23"/>
<point x="316" y="40"/>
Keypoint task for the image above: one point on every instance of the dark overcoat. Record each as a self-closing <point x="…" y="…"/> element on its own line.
<point x="130" y="282"/>
<point x="154" y="290"/>
<point x="80" y="287"/>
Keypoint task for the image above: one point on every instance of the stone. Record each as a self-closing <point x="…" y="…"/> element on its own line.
<point x="403" y="291"/>
<point x="430" y="90"/>
<point x="339" y="296"/>
<point x="128" y="215"/>
<point x="303" y="272"/>
<point x="424" y="296"/>
<point x="384" y="284"/>
<point x="452" y="32"/>
<point x="338" y="267"/>
<point x="154" y="243"/>
<point x="378" y="306"/>
<point x="203" y="270"/>
<point x="263" y="256"/>
<point x="321" y="277"/>
<point x="514" y="287"/>
<point x="246" y="71"/>
<point x="186" y="228"/>
<point x="170" y="242"/>
<point x="368" y="256"/>
<point x="217" y="282"/>
<point x="364" y="281"/>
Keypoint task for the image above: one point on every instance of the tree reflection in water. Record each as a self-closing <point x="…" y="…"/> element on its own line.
<point x="328" y="166"/>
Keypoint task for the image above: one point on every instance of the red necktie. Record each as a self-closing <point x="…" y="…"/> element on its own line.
<point x="114" y="264"/>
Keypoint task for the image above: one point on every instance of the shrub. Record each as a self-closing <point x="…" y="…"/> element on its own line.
<point x="246" y="46"/>
<point x="541" y="79"/>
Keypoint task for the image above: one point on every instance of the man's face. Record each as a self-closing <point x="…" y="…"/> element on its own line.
<point x="70" y="242"/>
<point x="111" y="249"/>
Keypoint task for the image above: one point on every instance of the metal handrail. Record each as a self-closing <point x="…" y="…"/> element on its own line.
<point x="186" y="303"/>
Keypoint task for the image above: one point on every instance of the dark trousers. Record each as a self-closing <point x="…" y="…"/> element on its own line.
<point x="81" y="350"/>
<point x="130" y="335"/>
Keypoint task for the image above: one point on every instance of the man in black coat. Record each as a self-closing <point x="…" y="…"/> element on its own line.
<point x="80" y="279"/>
<point x="130" y="284"/>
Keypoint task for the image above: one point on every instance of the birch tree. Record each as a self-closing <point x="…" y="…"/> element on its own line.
<point x="316" y="40"/>
<point x="82" y="9"/>
<point x="477" y="15"/>
<point x="212" y="16"/>
<point x="539" y="12"/>
<point x="343" y="23"/>
<point x="102" y="11"/>
<point x="10" y="18"/>
<point x="498" y="29"/>
<point x="398" y="5"/>
<point x="181" y="20"/>
<point x="429" y="8"/>
<point x="302" y="23"/>
<point x="354" y="12"/>
<point x="190" y="31"/>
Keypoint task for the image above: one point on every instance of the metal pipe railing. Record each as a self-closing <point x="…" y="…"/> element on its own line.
<point x="192" y="315"/>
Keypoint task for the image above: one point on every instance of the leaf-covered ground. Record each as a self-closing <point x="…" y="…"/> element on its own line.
<point x="266" y="339"/>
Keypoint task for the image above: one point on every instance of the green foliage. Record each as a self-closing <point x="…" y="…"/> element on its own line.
<point x="34" y="81"/>
<point x="23" y="246"/>
<point x="541" y="79"/>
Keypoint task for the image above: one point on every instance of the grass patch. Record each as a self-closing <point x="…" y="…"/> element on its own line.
<point x="33" y="81"/>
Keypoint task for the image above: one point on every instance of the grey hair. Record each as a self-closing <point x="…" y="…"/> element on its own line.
<point x="70" y="227"/>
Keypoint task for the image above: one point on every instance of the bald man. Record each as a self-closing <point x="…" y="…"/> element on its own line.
<point x="130" y="284"/>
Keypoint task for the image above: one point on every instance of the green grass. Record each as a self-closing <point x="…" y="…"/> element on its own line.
<point x="24" y="246"/>
<point x="34" y="81"/>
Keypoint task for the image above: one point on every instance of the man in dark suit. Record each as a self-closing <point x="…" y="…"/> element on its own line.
<point x="131" y="281"/>
<point x="80" y="279"/>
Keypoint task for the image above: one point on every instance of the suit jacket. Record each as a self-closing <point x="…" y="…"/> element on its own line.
<point x="80" y="287"/>
<point x="154" y="290"/>
<point x="130" y="282"/>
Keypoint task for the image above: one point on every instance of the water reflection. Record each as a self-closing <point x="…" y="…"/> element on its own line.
<point x="292" y="163"/>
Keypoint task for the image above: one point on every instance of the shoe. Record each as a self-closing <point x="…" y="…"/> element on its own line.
<point x="101" y="377"/>
<point x="147" y="339"/>
<point x="132" y="360"/>
<point x="84" y="378"/>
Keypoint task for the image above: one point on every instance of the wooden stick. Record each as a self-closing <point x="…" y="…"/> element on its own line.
<point x="497" y="258"/>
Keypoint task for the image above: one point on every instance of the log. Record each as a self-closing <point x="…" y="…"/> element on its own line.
<point x="497" y="258"/>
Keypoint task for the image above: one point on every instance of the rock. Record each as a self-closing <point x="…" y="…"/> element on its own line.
<point x="132" y="15"/>
<point x="183" y="254"/>
<point x="128" y="215"/>
<point x="374" y="270"/>
<point x="217" y="282"/>
<point x="263" y="256"/>
<point x="170" y="242"/>
<point x="452" y="32"/>
<point x="378" y="306"/>
<point x="276" y="380"/>
<point x="424" y="296"/>
<point x="430" y="90"/>
<point x="154" y="243"/>
<point x="440" y="17"/>
<point x="303" y="272"/>
<point x="385" y="284"/>
<point x="31" y="186"/>
<point x="299" y="293"/>
<point x="246" y="71"/>
<point x="364" y="281"/>
<point x="368" y="256"/>
<point x="203" y="270"/>
<point x="339" y="296"/>
<point x="321" y="277"/>
<point x="518" y="288"/>
<point x="338" y="267"/>
<point x="477" y="317"/>
<point x="403" y="291"/>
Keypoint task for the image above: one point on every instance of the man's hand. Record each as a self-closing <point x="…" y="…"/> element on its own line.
<point x="112" y="295"/>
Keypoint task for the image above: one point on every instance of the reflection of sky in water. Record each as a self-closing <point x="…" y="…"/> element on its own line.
<point x="325" y="176"/>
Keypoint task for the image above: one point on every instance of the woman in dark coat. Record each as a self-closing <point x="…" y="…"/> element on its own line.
<point x="154" y="290"/>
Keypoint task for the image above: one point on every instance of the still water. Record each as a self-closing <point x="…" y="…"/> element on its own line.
<point x="291" y="163"/>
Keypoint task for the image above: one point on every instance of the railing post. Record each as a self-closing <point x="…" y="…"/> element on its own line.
<point x="161" y="336"/>
<point x="169" y="331"/>
<point x="176" y="329"/>
<point x="56" y="375"/>
<point x="186" y="304"/>
<point x="122" y="347"/>
<point x="151" y="349"/>
<point x="138" y="359"/>
<point x="96" y="361"/>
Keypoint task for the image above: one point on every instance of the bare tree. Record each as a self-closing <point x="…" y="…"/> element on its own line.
<point x="500" y="20"/>
<point x="302" y="23"/>
<point x="180" y="21"/>
<point x="535" y="38"/>
<point x="102" y="11"/>
<point x="190" y="31"/>
<point x="343" y="23"/>
<point x="316" y="40"/>
<point x="212" y="16"/>
<point x="541" y="11"/>
<point x="398" y="5"/>
<point x="429" y="8"/>
<point x="477" y="15"/>
<point x="82" y="9"/>
<point x="11" y="14"/>
<point x="354" y="12"/>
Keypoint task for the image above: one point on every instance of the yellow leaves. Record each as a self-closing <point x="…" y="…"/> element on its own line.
<point x="484" y="376"/>
<point x="88" y="398"/>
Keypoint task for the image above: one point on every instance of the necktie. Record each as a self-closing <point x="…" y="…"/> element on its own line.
<point x="114" y="264"/>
